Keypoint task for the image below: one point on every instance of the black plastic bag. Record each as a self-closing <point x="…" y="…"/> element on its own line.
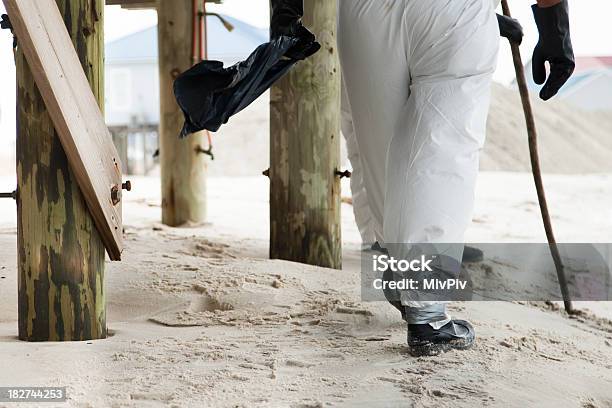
<point x="209" y="94"/>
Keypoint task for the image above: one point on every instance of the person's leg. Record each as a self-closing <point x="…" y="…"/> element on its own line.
<point x="375" y="87"/>
<point x="359" y="196"/>
<point x="378" y="60"/>
<point x="432" y="162"/>
<point x="374" y="51"/>
<point x="374" y="69"/>
<point x="361" y="206"/>
<point x="433" y="157"/>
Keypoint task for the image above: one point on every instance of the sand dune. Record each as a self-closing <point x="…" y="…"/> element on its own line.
<point x="570" y="141"/>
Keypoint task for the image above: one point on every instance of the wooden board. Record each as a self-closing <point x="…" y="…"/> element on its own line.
<point x="79" y="123"/>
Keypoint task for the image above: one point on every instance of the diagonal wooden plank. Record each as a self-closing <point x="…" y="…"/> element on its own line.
<point x="56" y="68"/>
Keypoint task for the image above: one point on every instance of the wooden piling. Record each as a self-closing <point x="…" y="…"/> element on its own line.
<point x="183" y="167"/>
<point x="305" y="151"/>
<point x="60" y="253"/>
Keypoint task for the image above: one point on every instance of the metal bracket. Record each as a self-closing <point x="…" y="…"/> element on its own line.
<point x="207" y="152"/>
<point x="228" y="26"/>
<point x="5" y="23"/>
<point x="116" y="192"/>
<point x="343" y="174"/>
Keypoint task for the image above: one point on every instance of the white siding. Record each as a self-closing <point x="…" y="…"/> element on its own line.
<point x="132" y="94"/>
<point x="594" y="94"/>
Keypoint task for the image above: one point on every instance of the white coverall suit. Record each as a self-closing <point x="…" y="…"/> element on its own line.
<point x="416" y="91"/>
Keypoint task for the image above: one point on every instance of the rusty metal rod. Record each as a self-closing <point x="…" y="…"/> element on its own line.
<point x="535" y="166"/>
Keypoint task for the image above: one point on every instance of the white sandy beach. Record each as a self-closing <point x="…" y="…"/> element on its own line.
<point x="200" y="317"/>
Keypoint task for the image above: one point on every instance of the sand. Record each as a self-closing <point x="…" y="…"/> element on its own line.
<point x="200" y="317"/>
<point x="570" y="141"/>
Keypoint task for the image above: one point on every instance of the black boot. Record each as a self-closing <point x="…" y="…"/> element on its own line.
<point x="472" y="255"/>
<point x="424" y="340"/>
<point x="377" y="248"/>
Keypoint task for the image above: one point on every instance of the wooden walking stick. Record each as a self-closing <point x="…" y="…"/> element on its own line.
<point x="535" y="166"/>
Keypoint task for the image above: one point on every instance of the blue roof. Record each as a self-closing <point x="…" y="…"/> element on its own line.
<point x="222" y="44"/>
<point x="576" y="79"/>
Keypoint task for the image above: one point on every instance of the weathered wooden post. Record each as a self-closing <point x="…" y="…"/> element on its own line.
<point x="60" y="253"/>
<point x="305" y="151"/>
<point x="183" y="167"/>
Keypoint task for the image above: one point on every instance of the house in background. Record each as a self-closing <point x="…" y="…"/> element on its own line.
<point x="132" y="84"/>
<point x="590" y="88"/>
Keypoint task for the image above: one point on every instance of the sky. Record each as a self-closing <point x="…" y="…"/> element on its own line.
<point x="591" y="33"/>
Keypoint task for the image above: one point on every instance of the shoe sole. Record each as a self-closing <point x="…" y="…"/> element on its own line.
<point x="435" y="349"/>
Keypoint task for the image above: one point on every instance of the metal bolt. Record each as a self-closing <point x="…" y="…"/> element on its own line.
<point x="343" y="174"/>
<point x="116" y="191"/>
<point x="175" y="73"/>
<point x="5" y="23"/>
<point x="12" y="195"/>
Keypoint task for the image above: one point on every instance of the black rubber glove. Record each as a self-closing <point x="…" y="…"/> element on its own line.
<point x="510" y="28"/>
<point x="286" y="17"/>
<point x="286" y="20"/>
<point x="554" y="46"/>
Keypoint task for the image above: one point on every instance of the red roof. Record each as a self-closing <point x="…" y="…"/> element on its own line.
<point x="589" y="63"/>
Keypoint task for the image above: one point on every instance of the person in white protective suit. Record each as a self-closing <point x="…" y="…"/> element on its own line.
<point x="415" y="98"/>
